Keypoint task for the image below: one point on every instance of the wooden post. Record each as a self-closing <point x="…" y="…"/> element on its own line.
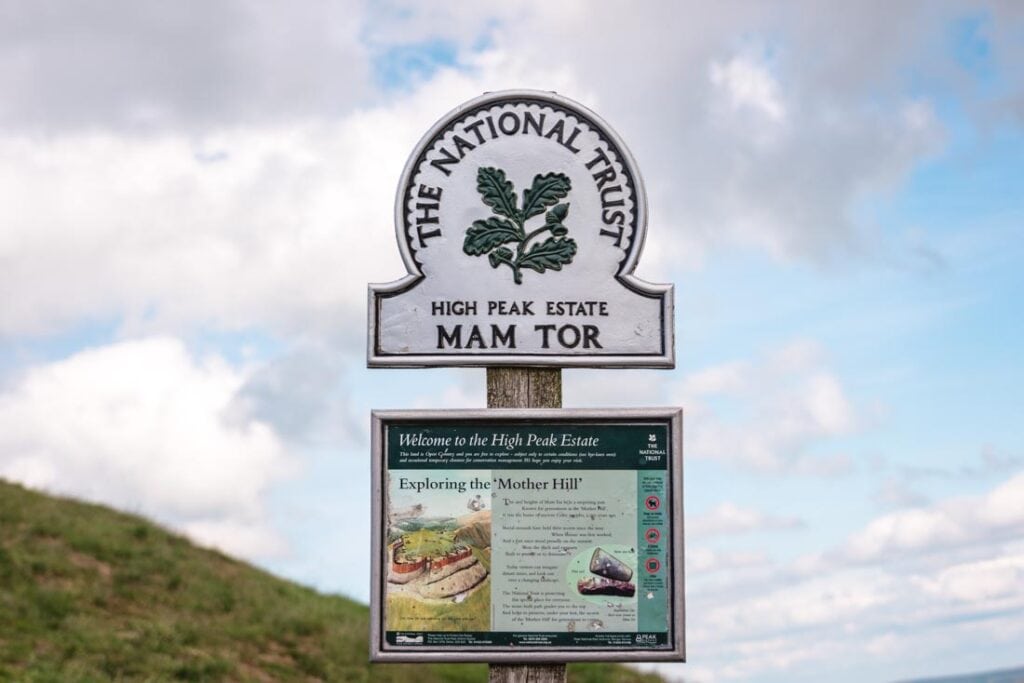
<point x="526" y="673"/>
<point x="525" y="388"/>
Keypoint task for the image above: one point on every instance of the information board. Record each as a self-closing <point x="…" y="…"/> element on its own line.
<point x="553" y="535"/>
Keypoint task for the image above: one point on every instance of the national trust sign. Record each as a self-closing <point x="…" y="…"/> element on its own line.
<point x="520" y="217"/>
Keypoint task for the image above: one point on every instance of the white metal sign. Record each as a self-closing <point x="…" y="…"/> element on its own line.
<point x="520" y="217"/>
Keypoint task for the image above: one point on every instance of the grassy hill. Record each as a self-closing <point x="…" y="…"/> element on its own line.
<point x="89" y="594"/>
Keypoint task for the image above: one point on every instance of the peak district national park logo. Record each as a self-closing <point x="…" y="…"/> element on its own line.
<point x="508" y="225"/>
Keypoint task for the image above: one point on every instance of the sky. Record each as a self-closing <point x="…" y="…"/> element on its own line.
<point x="194" y="196"/>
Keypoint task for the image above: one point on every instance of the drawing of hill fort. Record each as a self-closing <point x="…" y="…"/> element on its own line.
<point x="440" y="562"/>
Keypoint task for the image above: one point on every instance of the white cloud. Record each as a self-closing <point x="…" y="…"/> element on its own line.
<point x="727" y="378"/>
<point x="284" y="230"/>
<point x="150" y="65"/>
<point x="945" y="524"/>
<point x="702" y="560"/>
<point x="1004" y="505"/>
<point x="595" y="388"/>
<point x="759" y="625"/>
<point x="303" y="396"/>
<point x="277" y="225"/>
<point x="977" y="582"/>
<point x="282" y="219"/>
<point x="897" y="494"/>
<point x="926" y="580"/>
<point x="920" y="580"/>
<point x="755" y="125"/>
<point x="815" y="602"/>
<point x="770" y="414"/>
<point x="142" y="425"/>
<point x="729" y="518"/>
<point x="242" y="538"/>
<point x="451" y="396"/>
<point x="907" y="530"/>
<point x="749" y="84"/>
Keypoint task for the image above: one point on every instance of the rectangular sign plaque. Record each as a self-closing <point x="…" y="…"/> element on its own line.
<point x="517" y="535"/>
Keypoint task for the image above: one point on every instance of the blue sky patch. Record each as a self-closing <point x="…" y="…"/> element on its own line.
<point x="401" y="66"/>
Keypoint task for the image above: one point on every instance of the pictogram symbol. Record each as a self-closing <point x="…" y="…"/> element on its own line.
<point x="652" y="503"/>
<point x="652" y="565"/>
<point x="652" y="535"/>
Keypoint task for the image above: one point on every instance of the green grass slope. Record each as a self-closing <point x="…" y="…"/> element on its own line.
<point x="89" y="594"/>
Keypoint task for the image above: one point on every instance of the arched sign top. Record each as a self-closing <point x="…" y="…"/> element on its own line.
<point x="520" y="217"/>
<point x="514" y="117"/>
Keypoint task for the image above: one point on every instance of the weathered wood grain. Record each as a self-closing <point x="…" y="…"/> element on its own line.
<point x="525" y="388"/>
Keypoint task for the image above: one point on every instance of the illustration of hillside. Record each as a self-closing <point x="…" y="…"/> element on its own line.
<point x="438" y="574"/>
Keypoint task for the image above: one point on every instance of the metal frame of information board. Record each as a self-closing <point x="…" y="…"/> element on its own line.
<point x="672" y="418"/>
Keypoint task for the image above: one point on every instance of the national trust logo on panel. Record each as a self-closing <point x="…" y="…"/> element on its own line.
<point x="520" y="217"/>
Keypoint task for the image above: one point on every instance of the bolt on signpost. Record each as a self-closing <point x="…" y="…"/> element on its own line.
<point x="524" y="535"/>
